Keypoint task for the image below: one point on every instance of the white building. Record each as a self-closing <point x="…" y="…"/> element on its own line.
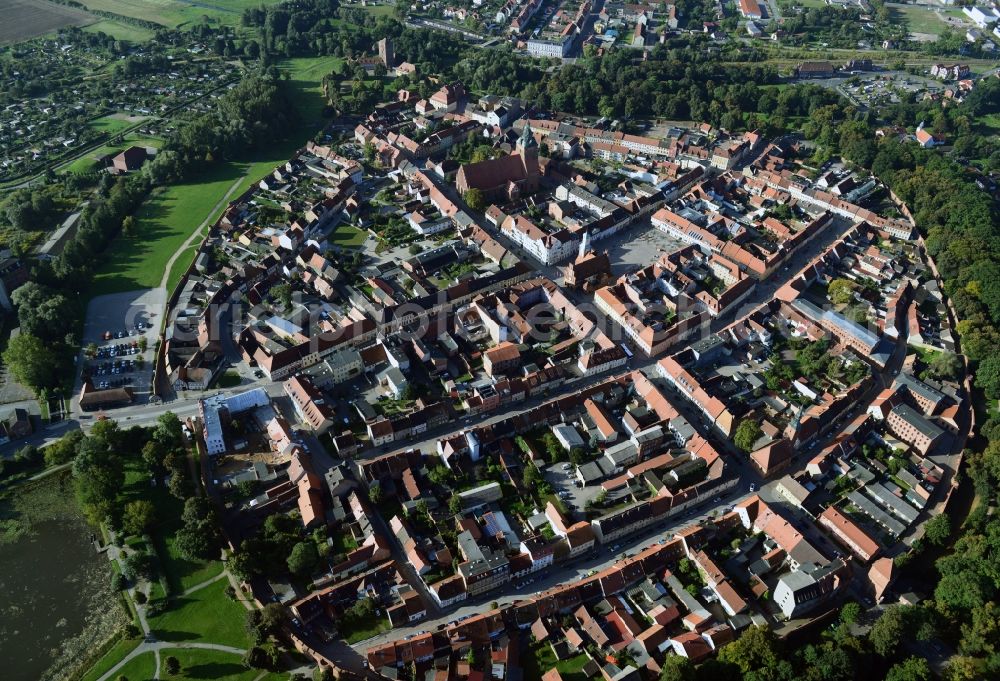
<point x="214" y="410"/>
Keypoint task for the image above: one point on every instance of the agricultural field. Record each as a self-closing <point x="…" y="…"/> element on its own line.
<point x="24" y="19"/>
<point x="178" y="12"/>
<point x="120" y="31"/>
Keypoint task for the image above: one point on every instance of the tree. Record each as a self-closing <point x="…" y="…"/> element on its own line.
<point x="283" y="294"/>
<point x="531" y="476"/>
<point x="910" y="669"/>
<point x="303" y="559"/>
<point x="887" y="632"/>
<point x="945" y="365"/>
<point x="475" y="199"/>
<point x="754" y="652"/>
<point x="128" y="225"/>
<point x="938" y="529"/>
<point x="987" y="375"/>
<point x="841" y="291"/>
<point x="138" y="517"/>
<point x="64" y="449"/>
<point x="455" y="504"/>
<point x="32" y="362"/>
<point x="172" y="665"/>
<point x="850" y="613"/>
<point x="140" y="565"/>
<point x="98" y="477"/>
<point x="747" y="434"/>
<point x="677" y="668"/>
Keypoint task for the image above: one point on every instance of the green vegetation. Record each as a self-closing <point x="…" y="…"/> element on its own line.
<point x="111" y="124"/>
<point x="229" y="379"/>
<point x="117" y="652"/>
<point x="348" y="236"/>
<point x="141" y="666"/>
<point x="120" y="31"/>
<point x="88" y="162"/>
<point x="920" y="19"/>
<point x="540" y="659"/>
<point x="212" y="665"/>
<point x="163" y="224"/>
<point x="174" y="13"/>
<point x="208" y="615"/>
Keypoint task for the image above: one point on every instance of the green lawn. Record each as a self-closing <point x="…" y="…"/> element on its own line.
<point x="139" y="668"/>
<point x="120" y="31"/>
<point x="180" y="573"/>
<point x="111" y="658"/>
<point x="918" y="19"/>
<point x="306" y="78"/>
<point x="86" y="163"/>
<point x="215" y="665"/>
<point x="110" y="124"/>
<point x="164" y="222"/>
<point x="366" y="629"/>
<point x="229" y="379"/>
<point x="348" y="235"/>
<point x="540" y="659"/>
<point x="207" y="615"/>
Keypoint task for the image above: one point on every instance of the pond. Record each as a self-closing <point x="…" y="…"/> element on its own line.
<point x="56" y="602"/>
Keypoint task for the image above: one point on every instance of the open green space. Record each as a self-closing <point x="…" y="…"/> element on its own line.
<point x="365" y="629"/>
<point x="177" y="12"/>
<point x="85" y="163"/>
<point x="163" y="223"/>
<point x="229" y="379"/>
<point x="181" y="573"/>
<point x="120" y="31"/>
<point x="216" y="665"/>
<point x="541" y="659"/>
<point x="111" y="658"/>
<point x="919" y="19"/>
<point x="110" y="124"/>
<point x="139" y="668"/>
<point x="306" y="79"/>
<point x="348" y="235"/>
<point x="207" y="615"/>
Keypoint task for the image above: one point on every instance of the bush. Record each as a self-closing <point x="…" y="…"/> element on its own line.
<point x="140" y="597"/>
<point x="118" y="582"/>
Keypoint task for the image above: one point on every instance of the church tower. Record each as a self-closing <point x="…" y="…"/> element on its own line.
<point x="527" y="149"/>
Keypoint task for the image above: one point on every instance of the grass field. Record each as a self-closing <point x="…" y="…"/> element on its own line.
<point x="111" y="658"/>
<point x="24" y="19"/>
<point x="348" y="236"/>
<point x="306" y="78"/>
<point x="120" y="31"/>
<point x="169" y="217"/>
<point x="86" y="163"/>
<point x="140" y="667"/>
<point x="111" y="124"/>
<point x="207" y="615"/>
<point x="214" y="665"/>
<point x="177" y="12"/>
<point x="919" y="19"/>
<point x="541" y="659"/>
<point x="163" y="223"/>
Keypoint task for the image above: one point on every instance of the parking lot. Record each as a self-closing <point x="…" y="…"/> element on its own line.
<point x="119" y="339"/>
<point x="562" y="477"/>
